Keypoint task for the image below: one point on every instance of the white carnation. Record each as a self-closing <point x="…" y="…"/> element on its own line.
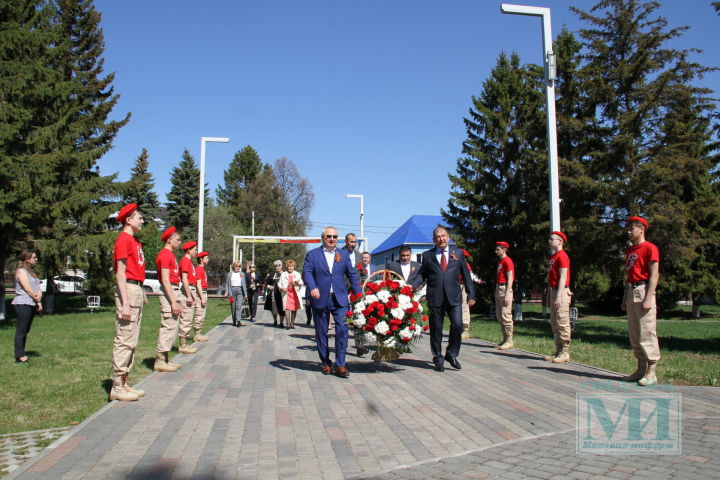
<point x="398" y="313"/>
<point x="405" y="333"/>
<point x="370" y="299"/>
<point x="404" y="301"/>
<point x="370" y="338"/>
<point x="402" y="283"/>
<point x="359" y="321"/>
<point x="418" y="331"/>
<point x="382" y="328"/>
<point x="420" y="309"/>
<point x="383" y="295"/>
<point x="390" y="342"/>
<point x="360" y="306"/>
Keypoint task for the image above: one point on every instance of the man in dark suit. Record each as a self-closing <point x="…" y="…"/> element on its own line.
<point x="325" y="271"/>
<point x="351" y="247"/>
<point x="442" y="269"/>
<point x="408" y="269"/>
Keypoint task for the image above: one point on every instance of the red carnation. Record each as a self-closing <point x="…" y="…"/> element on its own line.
<point x="424" y="318"/>
<point x="394" y="328"/>
<point x="412" y="327"/>
<point x="425" y="328"/>
<point x="349" y="313"/>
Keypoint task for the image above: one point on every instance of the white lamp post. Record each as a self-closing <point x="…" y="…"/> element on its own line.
<point x="550" y="75"/>
<point x="201" y="209"/>
<point x="362" y="215"/>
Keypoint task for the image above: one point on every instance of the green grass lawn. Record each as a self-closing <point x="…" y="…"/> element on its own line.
<point x="690" y="349"/>
<point x="68" y="378"/>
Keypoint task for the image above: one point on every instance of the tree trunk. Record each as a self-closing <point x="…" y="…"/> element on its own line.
<point x="696" y="298"/>
<point x="2" y="290"/>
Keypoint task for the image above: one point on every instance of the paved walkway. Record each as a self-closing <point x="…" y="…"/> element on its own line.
<point x="252" y="404"/>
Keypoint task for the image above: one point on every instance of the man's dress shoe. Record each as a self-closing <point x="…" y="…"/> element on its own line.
<point x="453" y="361"/>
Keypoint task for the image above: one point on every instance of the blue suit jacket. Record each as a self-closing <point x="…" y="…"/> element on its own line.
<point x="445" y="286"/>
<point x="316" y="275"/>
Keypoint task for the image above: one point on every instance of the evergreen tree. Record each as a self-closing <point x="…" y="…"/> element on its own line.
<point x="500" y="189"/>
<point x="244" y="168"/>
<point x="657" y="153"/>
<point x="140" y="188"/>
<point x="58" y="101"/>
<point x="183" y="202"/>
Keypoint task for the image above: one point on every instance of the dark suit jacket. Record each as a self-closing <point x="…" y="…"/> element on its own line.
<point x="445" y="285"/>
<point x="316" y="275"/>
<point x="414" y="272"/>
<point x="258" y="280"/>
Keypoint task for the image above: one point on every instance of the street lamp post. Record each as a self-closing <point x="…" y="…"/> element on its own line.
<point x="201" y="209"/>
<point x="362" y="216"/>
<point x="550" y="75"/>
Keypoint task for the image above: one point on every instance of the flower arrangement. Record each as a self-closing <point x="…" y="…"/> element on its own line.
<point x="388" y="313"/>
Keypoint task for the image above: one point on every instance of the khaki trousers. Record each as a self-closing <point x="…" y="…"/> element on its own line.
<point x="127" y="332"/>
<point x="168" y="322"/>
<point x="503" y="313"/>
<point x="560" y="317"/>
<point x="642" y="325"/>
<point x="199" y="320"/>
<point x="186" y="317"/>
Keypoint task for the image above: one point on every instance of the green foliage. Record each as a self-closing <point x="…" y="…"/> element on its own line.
<point x="244" y="168"/>
<point x="183" y="201"/>
<point x="499" y="190"/>
<point x="53" y="129"/>
<point x="140" y="188"/>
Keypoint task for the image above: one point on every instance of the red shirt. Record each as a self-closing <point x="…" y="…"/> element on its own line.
<point x="200" y="275"/>
<point x="638" y="259"/>
<point x="504" y="266"/>
<point x="557" y="261"/>
<point x="128" y="248"/>
<point x="166" y="259"/>
<point x="186" y="266"/>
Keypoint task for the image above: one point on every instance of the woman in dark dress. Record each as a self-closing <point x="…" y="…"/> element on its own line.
<point x="254" y="284"/>
<point x="273" y="296"/>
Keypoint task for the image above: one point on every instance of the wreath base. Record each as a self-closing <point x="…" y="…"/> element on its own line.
<point x="385" y="354"/>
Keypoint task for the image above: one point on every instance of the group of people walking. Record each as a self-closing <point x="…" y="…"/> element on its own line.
<point x="329" y="275"/>
<point x="642" y="261"/>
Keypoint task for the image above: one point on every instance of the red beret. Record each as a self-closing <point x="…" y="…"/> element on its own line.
<point x="189" y="245"/>
<point x="560" y="234"/>
<point x="167" y="234"/>
<point x="126" y="211"/>
<point x="639" y="220"/>
<point x="503" y="244"/>
<point x="202" y="254"/>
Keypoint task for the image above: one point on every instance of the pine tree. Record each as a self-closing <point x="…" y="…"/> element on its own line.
<point x="182" y="200"/>
<point x="244" y="168"/>
<point x="500" y="189"/>
<point x="140" y="188"/>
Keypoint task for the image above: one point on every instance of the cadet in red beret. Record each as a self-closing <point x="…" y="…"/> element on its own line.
<point x="201" y="298"/>
<point x="187" y="277"/>
<point x="642" y="263"/>
<point x="558" y="297"/>
<point x="129" y="268"/>
<point x="171" y="300"/>
<point x="504" y="294"/>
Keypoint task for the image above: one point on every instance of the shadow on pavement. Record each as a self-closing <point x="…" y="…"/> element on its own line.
<point x="578" y="373"/>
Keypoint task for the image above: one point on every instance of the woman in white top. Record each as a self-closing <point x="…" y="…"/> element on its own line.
<point x="237" y="292"/>
<point x="293" y="289"/>
<point x="27" y="301"/>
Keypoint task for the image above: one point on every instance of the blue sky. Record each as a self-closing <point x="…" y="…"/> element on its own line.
<point x="364" y="97"/>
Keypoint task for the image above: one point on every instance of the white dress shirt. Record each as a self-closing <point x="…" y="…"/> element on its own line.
<point x="405" y="267"/>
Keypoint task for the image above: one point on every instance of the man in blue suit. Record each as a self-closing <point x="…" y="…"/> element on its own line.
<point x="325" y="271"/>
<point x="443" y="268"/>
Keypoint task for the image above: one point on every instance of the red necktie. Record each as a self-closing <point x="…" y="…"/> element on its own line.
<point x="443" y="261"/>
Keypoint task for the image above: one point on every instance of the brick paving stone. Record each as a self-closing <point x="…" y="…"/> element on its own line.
<point x="252" y="404"/>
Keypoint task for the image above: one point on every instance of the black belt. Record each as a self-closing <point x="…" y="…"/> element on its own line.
<point x="134" y="282"/>
<point x="501" y="284"/>
<point x="637" y="284"/>
<point x="175" y="285"/>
